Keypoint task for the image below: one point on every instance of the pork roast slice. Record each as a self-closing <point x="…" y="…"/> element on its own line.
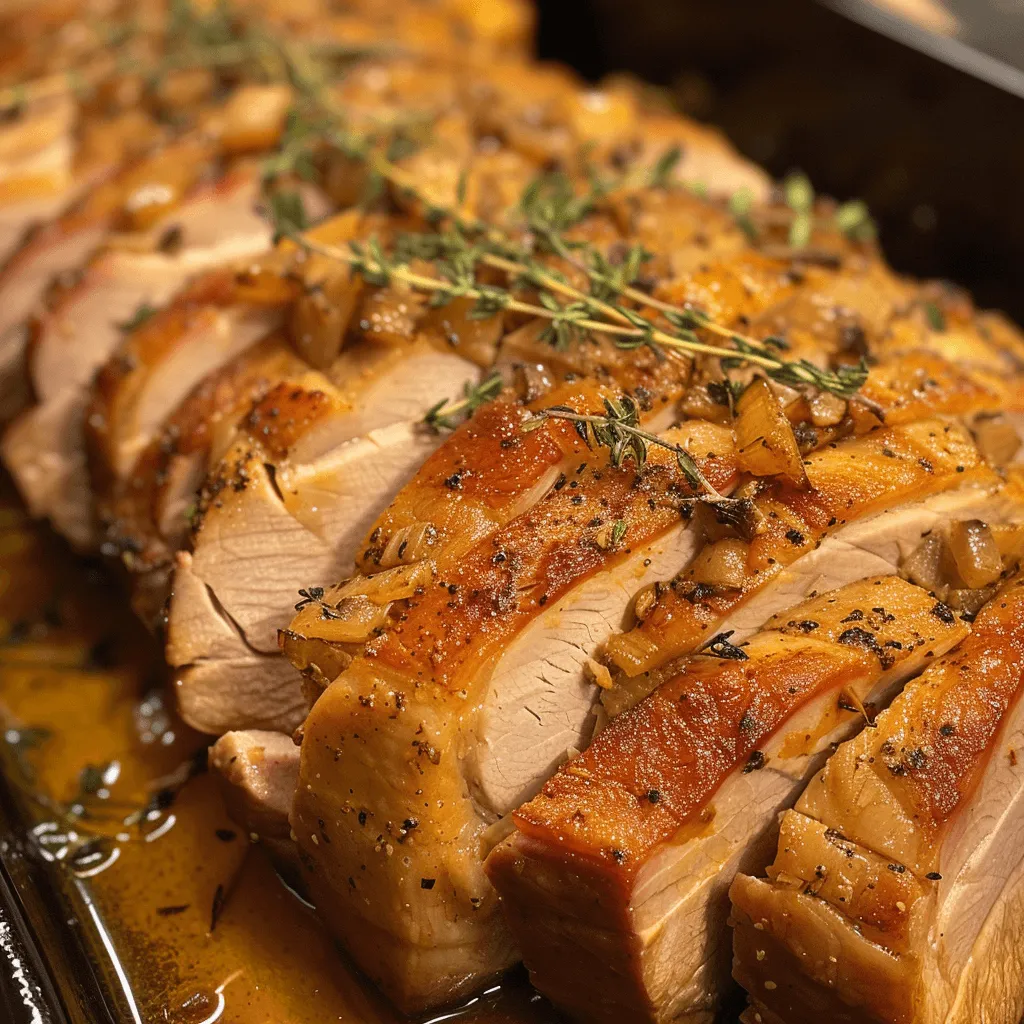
<point x="288" y="507"/>
<point x="53" y="251"/>
<point x="44" y="448"/>
<point x="488" y="472"/>
<point x="48" y="253"/>
<point x="259" y="771"/>
<point x="738" y="730"/>
<point x="411" y="838"/>
<point x="849" y="481"/>
<point x="898" y="876"/>
<point x="146" y="517"/>
<point x="867" y="544"/>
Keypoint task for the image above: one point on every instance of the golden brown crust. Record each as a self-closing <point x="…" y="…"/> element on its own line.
<point x="851" y="481"/>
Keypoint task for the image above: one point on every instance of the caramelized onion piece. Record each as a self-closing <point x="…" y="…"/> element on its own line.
<point x="350" y="611"/>
<point x="975" y="553"/>
<point x="396" y="584"/>
<point x="644" y="601"/>
<point x="722" y="564"/>
<point x="1009" y="538"/>
<point x="254" y="116"/>
<point x="321" y="317"/>
<point x="410" y="544"/>
<point x="826" y="409"/>
<point x="707" y="402"/>
<point x="183" y="88"/>
<point x="997" y="439"/>
<point x="970" y="601"/>
<point x="319" y="662"/>
<point x="923" y="566"/>
<point x="764" y="436"/>
<point x="353" y="619"/>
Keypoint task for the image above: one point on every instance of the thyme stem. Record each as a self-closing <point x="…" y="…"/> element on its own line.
<point x="645" y="333"/>
<point x="548" y="209"/>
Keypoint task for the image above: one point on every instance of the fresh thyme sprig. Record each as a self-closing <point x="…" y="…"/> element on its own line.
<point x="618" y="429"/>
<point x="579" y="316"/>
<point x="446" y="415"/>
<point x="549" y="207"/>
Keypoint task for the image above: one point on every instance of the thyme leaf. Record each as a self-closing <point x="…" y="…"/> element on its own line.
<point x="619" y="431"/>
<point x="287" y="213"/>
<point x="720" y="647"/>
<point x="936" y="318"/>
<point x="664" y="168"/>
<point x="446" y="415"/>
<point x="854" y="220"/>
<point x="144" y="312"/>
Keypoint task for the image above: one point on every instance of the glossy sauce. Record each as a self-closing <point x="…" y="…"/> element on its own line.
<point x="189" y="924"/>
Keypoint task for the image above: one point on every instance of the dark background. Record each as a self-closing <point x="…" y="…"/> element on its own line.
<point x="937" y="154"/>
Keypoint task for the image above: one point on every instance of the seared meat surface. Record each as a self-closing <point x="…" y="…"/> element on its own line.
<point x="535" y="502"/>
<point x="897" y="872"/>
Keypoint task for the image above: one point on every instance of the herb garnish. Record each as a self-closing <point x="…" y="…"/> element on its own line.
<point x="618" y="430"/>
<point x="720" y="647"/>
<point x="568" y="322"/>
<point x="138" y="318"/>
<point x="548" y="208"/>
<point x="800" y="199"/>
<point x="446" y="415"/>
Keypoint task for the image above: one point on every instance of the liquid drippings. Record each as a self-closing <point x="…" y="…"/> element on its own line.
<point x="185" y="916"/>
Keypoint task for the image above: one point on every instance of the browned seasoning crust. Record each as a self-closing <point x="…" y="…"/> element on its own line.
<point x="880" y="822"/>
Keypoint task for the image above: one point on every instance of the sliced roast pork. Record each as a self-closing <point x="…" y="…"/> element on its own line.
<point x="486" y="474"/>
<point x="287" y="507"/>
<point x="145" y="518"/>
<point x="321" y="462"/>
<point x="399" y="875"/>
<point x="259" y="772"/>
<point x="623" y="862"/>
<point x="45" y="449"/>
<point x="899" y="876"/>
<point x="870" y="498"/>
<point x="63" y="246"/>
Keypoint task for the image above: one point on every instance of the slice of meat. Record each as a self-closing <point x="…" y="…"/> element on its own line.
<point x="62" y="247"/>
<point x="625" y="857"/>
<point x="220" y="682"/>
<point x="850" y="482"/>
<point x="215" y="320"/>
<point x="288" y="507"/>
<point x="16" y="218"/>
<point x="541" y="700"/>
<point x="146" y="516"/>
<point x="895" y="878"/>
<point x="259" y="771"/>
<point x="45" y="449"/>
<point x="486" y="474"/>
<point x="301" y="472"/>
<point x="412" y="700"/>
<point x="46" y="254"/>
